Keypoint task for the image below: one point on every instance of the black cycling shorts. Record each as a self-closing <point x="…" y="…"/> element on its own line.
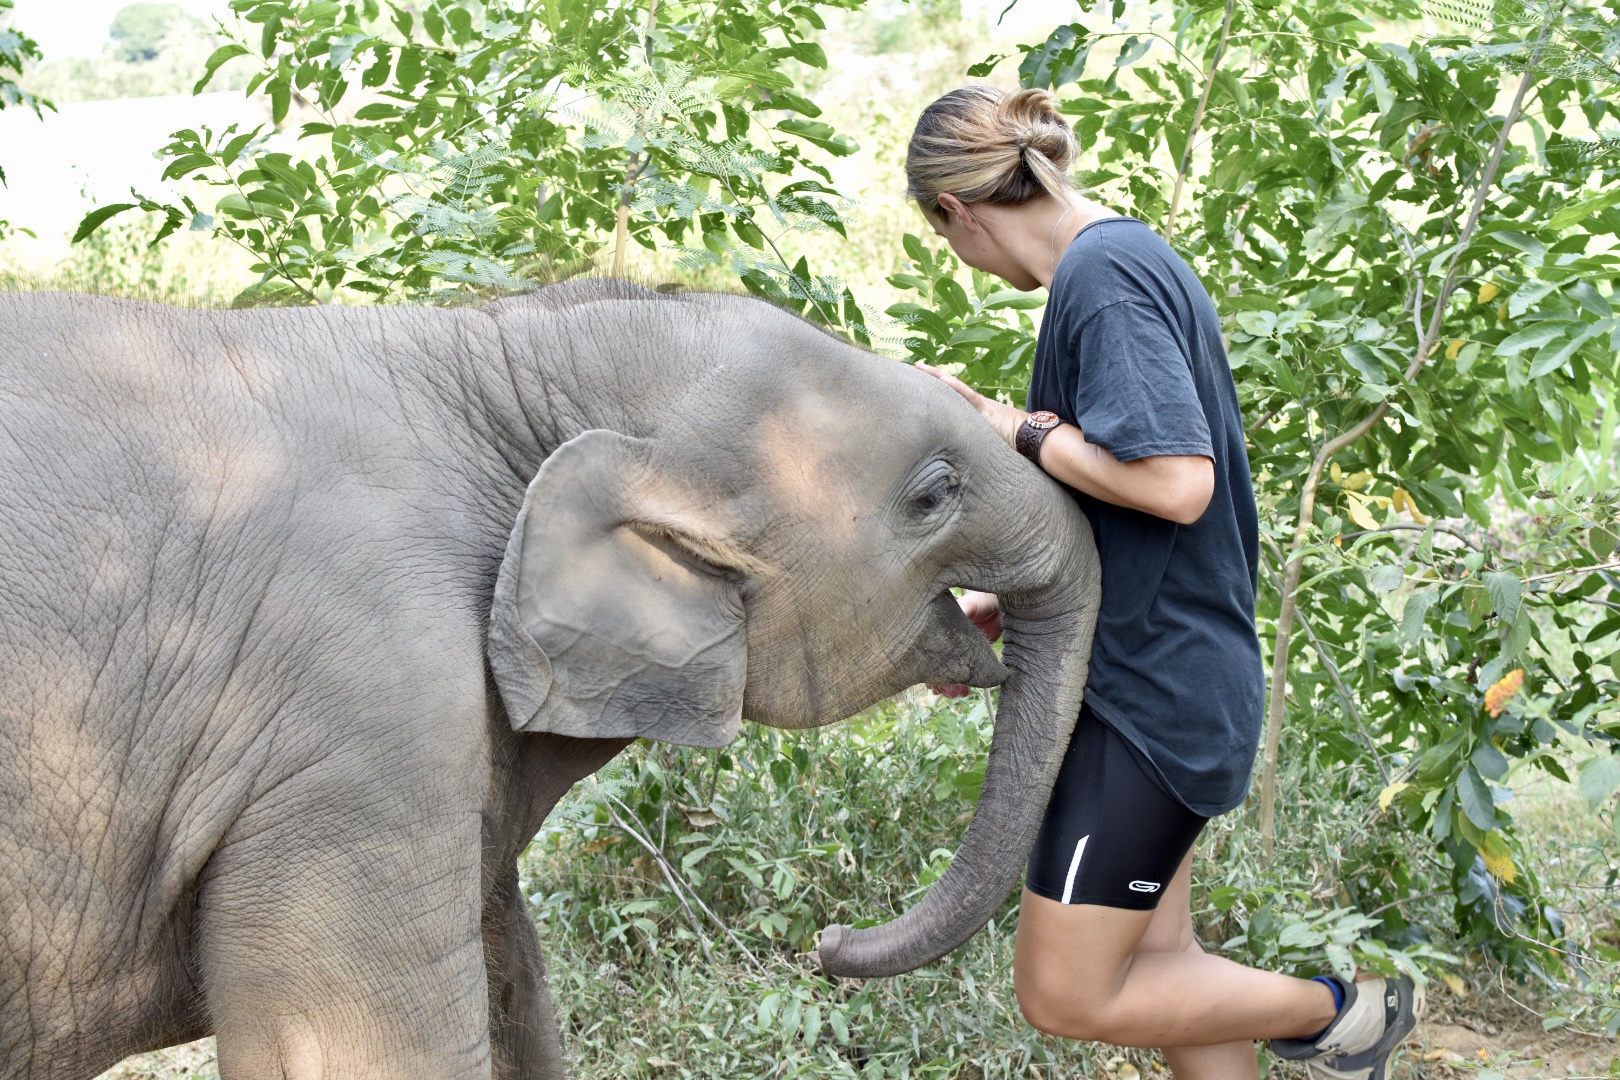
<point x="1112" y="835"/>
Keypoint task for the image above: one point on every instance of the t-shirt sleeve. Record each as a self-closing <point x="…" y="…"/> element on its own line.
<point x="1135" y="395"/>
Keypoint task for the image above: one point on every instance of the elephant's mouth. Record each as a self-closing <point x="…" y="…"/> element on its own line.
<point x="941" y="647"/>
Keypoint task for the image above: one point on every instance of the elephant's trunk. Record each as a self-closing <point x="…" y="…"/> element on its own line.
<point x="1048" y="649"/>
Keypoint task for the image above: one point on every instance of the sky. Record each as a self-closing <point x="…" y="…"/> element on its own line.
<point x="78" y="28"/>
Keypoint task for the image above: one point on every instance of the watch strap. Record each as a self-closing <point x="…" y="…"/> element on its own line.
<point x="1033" y="432"/>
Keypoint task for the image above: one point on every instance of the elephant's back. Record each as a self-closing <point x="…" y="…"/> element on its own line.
<point x="124" y="449"/>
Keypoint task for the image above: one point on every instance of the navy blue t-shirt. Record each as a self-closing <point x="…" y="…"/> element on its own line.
<point x="1130" y="350"/>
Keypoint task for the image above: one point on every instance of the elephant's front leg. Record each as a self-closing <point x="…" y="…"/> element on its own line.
<point x="523" y="1023"/>
<point x="533" y="772"/>
<point x="340" y="938"/>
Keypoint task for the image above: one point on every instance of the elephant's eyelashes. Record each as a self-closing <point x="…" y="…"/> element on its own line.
<point x="937" y="486"/>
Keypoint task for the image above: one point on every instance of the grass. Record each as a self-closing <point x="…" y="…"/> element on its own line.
<point x="782" y="833"/>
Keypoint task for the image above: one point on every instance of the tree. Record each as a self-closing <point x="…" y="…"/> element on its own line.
<point x="16" y="50"/>
<point x="456" y="146"/>
<point x="139" y="29"/>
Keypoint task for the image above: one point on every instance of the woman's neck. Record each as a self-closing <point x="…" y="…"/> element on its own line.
<point x="1069" y="220"/>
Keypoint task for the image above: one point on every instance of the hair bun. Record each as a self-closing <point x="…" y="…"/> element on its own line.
<point x="985" y="144"/>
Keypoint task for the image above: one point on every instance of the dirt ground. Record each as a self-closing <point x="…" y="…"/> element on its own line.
<point x="1450" y="1043"/>
<point x="1463" y="1038"/>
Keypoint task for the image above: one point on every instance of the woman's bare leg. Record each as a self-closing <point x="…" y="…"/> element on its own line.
<point x="1084" y="971"/>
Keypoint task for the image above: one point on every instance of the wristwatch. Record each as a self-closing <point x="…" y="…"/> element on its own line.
<point x="1033" y="431"/>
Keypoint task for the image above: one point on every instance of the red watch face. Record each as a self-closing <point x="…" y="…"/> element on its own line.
<point x="1043" y="420"/>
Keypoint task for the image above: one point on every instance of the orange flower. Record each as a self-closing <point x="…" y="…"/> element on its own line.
<point x="1503" y="691"/>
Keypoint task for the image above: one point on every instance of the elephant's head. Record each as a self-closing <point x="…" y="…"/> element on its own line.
<point x="779" y="544"/>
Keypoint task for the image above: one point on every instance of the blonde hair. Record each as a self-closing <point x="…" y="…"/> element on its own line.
<point x="988" y="145"/>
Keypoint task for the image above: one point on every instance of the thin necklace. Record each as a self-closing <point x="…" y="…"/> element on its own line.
<point x="1052" y="242"/>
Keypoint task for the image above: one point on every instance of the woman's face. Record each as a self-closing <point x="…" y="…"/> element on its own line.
<point x="972" y="233"/>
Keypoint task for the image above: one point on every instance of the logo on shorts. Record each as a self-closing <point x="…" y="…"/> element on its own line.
<point x="1143" y="886"/>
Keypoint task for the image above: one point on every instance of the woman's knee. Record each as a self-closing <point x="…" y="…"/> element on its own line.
<point x="1063" y="1003"/>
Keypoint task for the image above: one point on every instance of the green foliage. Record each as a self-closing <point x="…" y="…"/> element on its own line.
<point x="1329" y="194"/>
<point x="766" y="841"/>
<point x="139" y="29"/>
<point x="455" y="145"/>
<point x="988" y="337"/>
<point x="16" y="50"/>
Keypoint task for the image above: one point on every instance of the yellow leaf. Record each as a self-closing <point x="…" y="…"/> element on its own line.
<point x="1336" y="473"/>
<point x="1357" y="509"/>
<point x="1357" y="480"/>
<point x="1499" y="858"/>
<point x="1387" y="796"/>
<point x="1455" y="984"/>
<point x="1455" y="347"/>
<point x="1488" y="292"/>
<point x="1403" y="501"/>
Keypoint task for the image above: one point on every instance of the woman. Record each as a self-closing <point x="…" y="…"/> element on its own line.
<point x="1136" y="412"/>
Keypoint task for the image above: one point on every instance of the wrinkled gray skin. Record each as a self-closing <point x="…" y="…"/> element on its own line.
<point x="269" y="749"/>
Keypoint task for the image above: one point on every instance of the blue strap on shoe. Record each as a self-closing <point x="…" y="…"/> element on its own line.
<point x="1337" y="987"/>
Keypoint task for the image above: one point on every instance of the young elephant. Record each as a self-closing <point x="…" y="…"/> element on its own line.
<point x="284" y="691"/>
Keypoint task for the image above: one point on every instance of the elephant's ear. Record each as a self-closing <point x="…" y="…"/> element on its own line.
<point x="618" y="611"/>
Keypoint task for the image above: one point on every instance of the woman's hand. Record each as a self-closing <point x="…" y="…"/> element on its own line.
<point x="984" y="611"/>
<point x="1004" y="418"/>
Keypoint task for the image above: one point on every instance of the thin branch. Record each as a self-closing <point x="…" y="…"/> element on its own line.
<point x="1198" y="119"/>
<point x="1338" y="681"/>
<point x="672" y="878"/>
<point x="1380" y="909"/>
<point x="663" y="865"/>
<point x="1344" y="692"/>
<point x="1594" y="569"/>
<point x="1402" y="526"/>
<point x="1307" y="502"/>
<point x="1502" y="983"/>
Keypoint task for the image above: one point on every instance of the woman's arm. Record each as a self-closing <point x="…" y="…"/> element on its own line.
<point x="1175" y="487"/>
<point x="1172" y="486"/>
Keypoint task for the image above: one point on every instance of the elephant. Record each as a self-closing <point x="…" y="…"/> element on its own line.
<point x="308" y="616"/>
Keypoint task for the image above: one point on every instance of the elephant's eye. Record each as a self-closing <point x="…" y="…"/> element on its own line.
<point x="939" y="485"/>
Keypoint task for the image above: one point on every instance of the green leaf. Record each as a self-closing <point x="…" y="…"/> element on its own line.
<point x="1417" y="608"/>
<point x="280" y="100"/>
<point x="218" y="57"/>
<point x="1133" y="50"/>
<point x="1438" y="761"/>
<point x="1013" y="298"/>
<point x="1474" y="796"/>
<point x="809" y="53"/>
<point x="98" y="217"/>
<point x="1489" y="760"/>
<point x="1386" y="577"/>
<point x="1579" y="211"/>
<point x="1506" y="591"/>
<point x="984" y="67"/>
<point x="1532" y="336"/>
<point x="1599" y="778"/>
<point x="187" y="163"/>
<point x="1517" y="637"/>
<point x="821" y="134"/>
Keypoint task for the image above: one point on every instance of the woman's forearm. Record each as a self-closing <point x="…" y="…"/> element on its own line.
<point x="1175" y="487"/>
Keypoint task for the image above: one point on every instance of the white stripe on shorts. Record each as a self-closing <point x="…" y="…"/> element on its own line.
<point x="1074" y="867"/>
